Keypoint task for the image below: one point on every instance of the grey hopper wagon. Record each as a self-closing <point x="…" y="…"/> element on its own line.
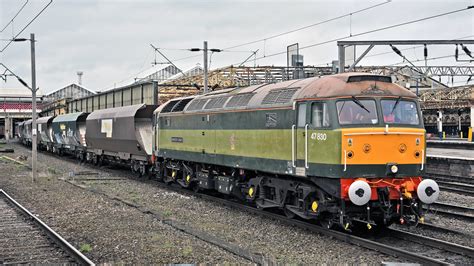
<point x="121" y="133"/>
<point x="27" y="132"/>
<point x="69" y="132"/>
<point x="45" y="132"/>
<point x="20" y="132"/>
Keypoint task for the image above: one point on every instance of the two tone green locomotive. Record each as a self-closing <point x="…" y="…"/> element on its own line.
<point x="340" y="149"/>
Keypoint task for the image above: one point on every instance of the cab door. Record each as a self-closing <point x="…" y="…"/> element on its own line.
<point x="300" y="139"/>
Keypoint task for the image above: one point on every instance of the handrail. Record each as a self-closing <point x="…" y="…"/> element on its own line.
<point x="422" y="160"/>
<point x="306" y="146"/>
<point x="345" y="160"/>
<point x="293" y="145"/>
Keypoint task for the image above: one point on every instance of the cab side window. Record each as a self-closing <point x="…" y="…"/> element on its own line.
<point x="320" y="115"/>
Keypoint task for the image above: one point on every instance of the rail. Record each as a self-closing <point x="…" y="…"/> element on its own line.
<point x="61" y="242"/>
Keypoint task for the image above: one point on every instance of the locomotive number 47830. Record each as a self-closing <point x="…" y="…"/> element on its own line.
<point x="319" y="136"/>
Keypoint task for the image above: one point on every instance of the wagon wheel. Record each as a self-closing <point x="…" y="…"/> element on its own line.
<point x="141" y="171"/>
<point x="95" y="160"/>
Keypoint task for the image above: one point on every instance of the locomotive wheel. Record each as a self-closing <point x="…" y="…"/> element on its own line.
<point x="325" y="221"/>
<point x="289" y="214"/>
<point x="195" y="187"/>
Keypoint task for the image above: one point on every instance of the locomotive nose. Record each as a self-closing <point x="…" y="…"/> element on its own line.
<point x="428" y="191"/>
<point x="359" y="192"/>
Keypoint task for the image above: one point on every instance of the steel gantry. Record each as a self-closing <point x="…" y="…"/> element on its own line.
<point x="343" y="44"/>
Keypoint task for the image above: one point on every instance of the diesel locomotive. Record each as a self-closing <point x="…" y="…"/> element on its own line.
<point x="341" y="149"/>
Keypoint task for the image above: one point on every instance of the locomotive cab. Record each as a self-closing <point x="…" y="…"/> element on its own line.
<point x="374" y="146"/>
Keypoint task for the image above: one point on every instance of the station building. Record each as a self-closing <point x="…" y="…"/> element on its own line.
<point x="16" y="106"/>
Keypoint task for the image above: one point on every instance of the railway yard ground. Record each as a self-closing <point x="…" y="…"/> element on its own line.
<point x="113" y="216"/>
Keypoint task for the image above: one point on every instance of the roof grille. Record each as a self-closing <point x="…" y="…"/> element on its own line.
<point x="279" y="96"/>
<point x="181" y="104"/>
<point x="196" y="105"/>
<point x="216" y="102"/>
<point x="239" y="100"/>
<point x="369" y="78"/>
<point x="169" y="106"/>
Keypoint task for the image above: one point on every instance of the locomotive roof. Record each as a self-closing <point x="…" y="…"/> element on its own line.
<point x="285" y="93"/>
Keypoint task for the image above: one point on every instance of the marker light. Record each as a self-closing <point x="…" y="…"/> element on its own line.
<point x="394" y="169"/>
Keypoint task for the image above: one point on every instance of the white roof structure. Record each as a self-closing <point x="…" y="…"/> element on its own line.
<point x="18" y="92"/>
<point x="72" y="90"/>
<point x="196" y="70"/>
<point x="72" y="84"/>
<point x="157" y="72"/>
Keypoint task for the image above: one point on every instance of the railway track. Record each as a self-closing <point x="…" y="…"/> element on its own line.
<point x="25" y="239"/>
<point x="439" y="252"/>
<point x="422" y="250"/>
<point x="453" y="179"/>
<point x="459" y="185"/>
<point x="456" y="187"/>
<point x="451" y="210"/>
<point x="418" y="249"/>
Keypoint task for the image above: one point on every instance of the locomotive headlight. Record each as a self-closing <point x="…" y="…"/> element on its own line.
<point x="394" y="169"/>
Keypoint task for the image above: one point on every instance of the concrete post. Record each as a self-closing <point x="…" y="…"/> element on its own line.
<point x="34" y="152"/>
<point x="205" y="67"/>
<point x="8" y="128"/>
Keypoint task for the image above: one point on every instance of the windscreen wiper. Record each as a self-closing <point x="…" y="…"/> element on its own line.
<point x="395" y="105"/>
<point x="354" y="99"/>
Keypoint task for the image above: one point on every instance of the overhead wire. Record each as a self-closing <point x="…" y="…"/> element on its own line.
<point x="284" y="33"/>
<point x="26" y="26"/>
<point x="17" y="13"/>
<point x="308" y="26"/>
<point x="372" y="31"/>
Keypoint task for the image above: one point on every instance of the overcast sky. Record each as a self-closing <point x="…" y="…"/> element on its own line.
<point x="110" y="40"/>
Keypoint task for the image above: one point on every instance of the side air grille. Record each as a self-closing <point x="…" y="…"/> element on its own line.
<point x="279" y="96"/>
<point x="169" y="106"/>
<point x="180" y="105"/>
<point x="197" y="105"/>
<point x="239" y="100"/>
<point x="216" y="102"/>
